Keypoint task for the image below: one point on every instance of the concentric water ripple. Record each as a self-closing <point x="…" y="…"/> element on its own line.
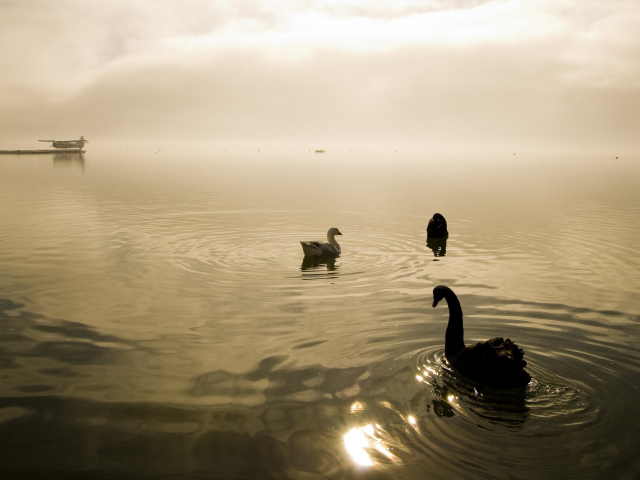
<point x="274" y="258"/>
<point x="560" y="401"/>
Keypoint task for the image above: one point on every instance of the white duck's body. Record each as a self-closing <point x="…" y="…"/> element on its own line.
<point x="320" y="249"/>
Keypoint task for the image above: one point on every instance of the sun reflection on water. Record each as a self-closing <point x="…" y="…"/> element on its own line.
<point x="355" y="442"/>
<point x="360" y="441"/>
<point x="371" y="444"/>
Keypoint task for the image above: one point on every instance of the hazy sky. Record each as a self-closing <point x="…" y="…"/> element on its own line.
<point x="513" y="74"/>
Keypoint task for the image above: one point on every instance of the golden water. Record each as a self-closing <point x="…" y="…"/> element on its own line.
<point x="157" y="319"/>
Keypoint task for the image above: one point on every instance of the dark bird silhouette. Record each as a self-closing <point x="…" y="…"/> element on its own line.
<point x="496" y="362"/>
<point x="437" y="227"/>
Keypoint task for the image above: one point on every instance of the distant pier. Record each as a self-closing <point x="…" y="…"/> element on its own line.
<point x="37" y="152"/>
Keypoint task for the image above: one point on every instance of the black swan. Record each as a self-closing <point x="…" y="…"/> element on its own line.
<point x="496" y="362"/>
<point x="437" y="227"/>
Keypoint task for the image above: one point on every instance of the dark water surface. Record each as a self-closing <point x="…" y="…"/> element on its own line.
<point x="157" y="319"/>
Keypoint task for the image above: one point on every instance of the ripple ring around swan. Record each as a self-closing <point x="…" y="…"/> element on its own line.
<point x="550" y="400"/>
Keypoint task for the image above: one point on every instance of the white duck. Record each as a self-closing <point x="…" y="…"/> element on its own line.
<point x="318" y="249"/>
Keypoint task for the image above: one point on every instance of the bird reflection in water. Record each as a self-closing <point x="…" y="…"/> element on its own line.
<point x="445" y="402"/>
<point x="311" y="264"/>
<point x="438" y="246"/>
<point x="457" y="396"/>
<point x="68" y="161"/>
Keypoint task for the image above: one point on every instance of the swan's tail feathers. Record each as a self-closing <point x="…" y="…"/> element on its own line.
<point x="507" y="348"/>
<point x="311" y="248"/>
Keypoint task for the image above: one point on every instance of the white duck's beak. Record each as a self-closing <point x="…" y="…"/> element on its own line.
<point x="338" y="233"/>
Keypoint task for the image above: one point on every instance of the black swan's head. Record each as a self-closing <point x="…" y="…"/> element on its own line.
<point x="437" y="216"/>
<point x="438" y="294"/>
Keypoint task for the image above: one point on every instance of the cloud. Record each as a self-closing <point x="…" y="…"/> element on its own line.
<point x="480" y="71"/>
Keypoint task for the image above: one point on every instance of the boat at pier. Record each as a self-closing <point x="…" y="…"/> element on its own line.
<point x="67" y="143"/>
<point x="67" y="146"/>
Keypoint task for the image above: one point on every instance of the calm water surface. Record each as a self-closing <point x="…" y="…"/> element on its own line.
<point x="158" y="320"/>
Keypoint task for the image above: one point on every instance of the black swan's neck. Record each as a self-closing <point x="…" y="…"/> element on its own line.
<point x="454" y="338"/>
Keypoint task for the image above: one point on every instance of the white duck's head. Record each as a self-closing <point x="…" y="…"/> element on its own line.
<point x="333" y="231"/>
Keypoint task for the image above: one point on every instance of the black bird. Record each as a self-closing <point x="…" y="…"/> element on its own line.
<point x="437" y="227"/>
<point x="496" y="362"/>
